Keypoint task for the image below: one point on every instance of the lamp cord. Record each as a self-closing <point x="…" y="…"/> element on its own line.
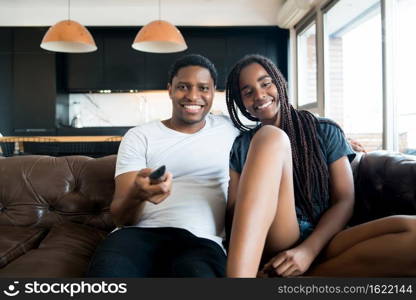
<point x="69" y="9"/>
<point x="159" y="10"/>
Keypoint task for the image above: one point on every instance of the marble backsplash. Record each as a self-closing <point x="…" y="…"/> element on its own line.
<point x="126" y="109"/>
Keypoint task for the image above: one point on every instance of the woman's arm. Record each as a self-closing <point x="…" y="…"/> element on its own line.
<point x="342" y="204"/>
<point x="297" y="260"/>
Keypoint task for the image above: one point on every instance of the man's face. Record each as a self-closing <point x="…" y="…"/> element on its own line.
<point x="191" y="91"/>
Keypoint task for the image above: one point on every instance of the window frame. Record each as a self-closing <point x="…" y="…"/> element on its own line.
<point x="300" y="28"/>
<point x="389" y="115"/>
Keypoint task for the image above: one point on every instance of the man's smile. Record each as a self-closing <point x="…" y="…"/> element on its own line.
<point x="192" y="108"/>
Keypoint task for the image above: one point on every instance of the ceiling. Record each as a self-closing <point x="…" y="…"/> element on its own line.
<point x="140" y="12"/>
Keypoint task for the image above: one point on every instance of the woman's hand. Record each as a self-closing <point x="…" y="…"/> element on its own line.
<point x="356" y="146"/>
<point x="292" y="262"/>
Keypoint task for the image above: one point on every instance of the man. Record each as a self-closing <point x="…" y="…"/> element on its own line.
<point x="173" y="228"/>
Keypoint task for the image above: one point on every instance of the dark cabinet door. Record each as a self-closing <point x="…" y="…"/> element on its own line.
<point x="278" y="49"/>
<point x="117" y="66"/>
<point x="156" y="69"/>
<point x="6" y="38"/>
<point x="6" y="100"/>
<point x="34" y="93"/>
<point x="211" y="43"/>
<point x="244" y="42"/>
<point x="124" y="67"/>
<point x="269" y="42"/>
<point x="85" y="71"/>
<point x="27" y="40"/>
<point x="6" y="80"/>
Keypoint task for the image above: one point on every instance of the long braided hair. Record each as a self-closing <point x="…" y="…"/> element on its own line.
<point x="309" y="165"/>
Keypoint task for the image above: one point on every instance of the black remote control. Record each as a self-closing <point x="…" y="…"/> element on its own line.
<point x="157" y="174"/>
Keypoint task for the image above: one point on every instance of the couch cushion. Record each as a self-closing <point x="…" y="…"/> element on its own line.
<point x="64" y="252"/>
<point x="15" y="241"/>
<point x="385" y="184"/>
<point x="42" y="191"/>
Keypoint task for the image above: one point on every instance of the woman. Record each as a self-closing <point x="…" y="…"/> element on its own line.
<point x="291" y="191"/>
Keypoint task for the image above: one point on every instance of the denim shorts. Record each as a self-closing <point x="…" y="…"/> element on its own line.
<point x="305" y="229"/>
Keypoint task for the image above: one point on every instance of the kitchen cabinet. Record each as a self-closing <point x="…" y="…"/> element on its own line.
<point x="263" y="41"/>
<point x="212" y="43"/>
<point x="241" y="43"/>
<point x="156" y="68"/>
<point x="85" y="71"/>
<point x="124" y="67"/>
<point x="34" y="83"/>
<point x="6" y="100"/>
<point x="28" y="39"/>
<point x="6" y="80"/>
<point x="116" y="66"/>
<point x="6" y="38"/>
<point x="209" y="43"/>
<point x="34" y="93"/>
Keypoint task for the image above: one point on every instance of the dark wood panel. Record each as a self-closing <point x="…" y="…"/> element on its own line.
<point x="117" y="66"/>
<point x="6" y="38"/>
<point x="85" y="71"/>
<point x="34" y="92"/>
<point x="6" y="80"/>
<point x="156" y="69"/>
<point x="241" y="43"/>
<point x="212" y="43"/>
<point x="6" y="100"/>
<point x="28" y="39"/>
<point x="123" y="66"/>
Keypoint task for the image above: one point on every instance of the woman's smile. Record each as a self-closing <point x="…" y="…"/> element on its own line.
<point x="263" y="106"/>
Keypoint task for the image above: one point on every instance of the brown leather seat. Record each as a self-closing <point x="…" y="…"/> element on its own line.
<point x="385" y="184"/>
<point x="55" y="211"/>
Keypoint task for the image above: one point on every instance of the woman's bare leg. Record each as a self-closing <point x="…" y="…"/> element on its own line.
<point x="383" y="247"/>
<point x="265" y="207"/>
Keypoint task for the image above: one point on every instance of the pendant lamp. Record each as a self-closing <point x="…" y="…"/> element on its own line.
<point x="68" y="36"/>
<point x="159" y="37"/>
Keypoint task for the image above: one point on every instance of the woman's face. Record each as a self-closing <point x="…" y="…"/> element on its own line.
<point x="259" y="93"/>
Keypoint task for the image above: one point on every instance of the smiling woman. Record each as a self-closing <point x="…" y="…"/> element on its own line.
<point x="259" y="95"/>
<point x="291" y="191"/>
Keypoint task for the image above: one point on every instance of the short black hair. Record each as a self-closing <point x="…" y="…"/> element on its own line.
<point x="193" y="60"/>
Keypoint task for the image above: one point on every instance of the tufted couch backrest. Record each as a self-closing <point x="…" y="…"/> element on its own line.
<point x="385" y="184"/>
<point x="40" y="191"/>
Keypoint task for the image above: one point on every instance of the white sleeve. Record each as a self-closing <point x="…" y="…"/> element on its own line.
<point x="131" y="154"/>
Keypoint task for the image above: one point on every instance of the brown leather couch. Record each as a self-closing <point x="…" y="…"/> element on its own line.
<point x="54" y="211"/>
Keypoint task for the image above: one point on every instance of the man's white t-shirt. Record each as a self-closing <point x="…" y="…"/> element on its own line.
<point x="199" y="163"/>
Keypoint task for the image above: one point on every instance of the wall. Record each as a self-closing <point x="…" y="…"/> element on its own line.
<point x="128" y="109"/>
<point x="140" y="12"/>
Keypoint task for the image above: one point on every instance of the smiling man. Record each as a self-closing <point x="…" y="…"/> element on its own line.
<point x="175" y="227"/>
<point x="191" y="90"/>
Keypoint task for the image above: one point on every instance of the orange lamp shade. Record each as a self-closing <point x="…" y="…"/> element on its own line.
<point x="68" y="36"/>
<point x="159" y="37"/>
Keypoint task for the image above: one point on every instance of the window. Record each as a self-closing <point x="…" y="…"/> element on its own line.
<point x="404" y="71"/>
<point x="353" y="70"/>
<point x="307" y="66"/>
